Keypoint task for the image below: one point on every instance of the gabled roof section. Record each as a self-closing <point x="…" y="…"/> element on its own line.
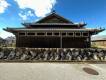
<point x="54" y="18"/>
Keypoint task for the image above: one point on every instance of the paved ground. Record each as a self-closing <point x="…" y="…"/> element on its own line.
<point x="50" y="71"/>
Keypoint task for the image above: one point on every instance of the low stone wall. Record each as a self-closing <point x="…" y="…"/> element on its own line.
<point x="52" y="55"/>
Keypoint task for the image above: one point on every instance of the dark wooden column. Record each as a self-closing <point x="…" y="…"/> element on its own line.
<point x="17" y="42"/>
<point x="61" y="41"/>
<point x="89" y="41"/>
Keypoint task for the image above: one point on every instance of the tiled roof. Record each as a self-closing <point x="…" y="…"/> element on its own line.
<point x="78" y="24"/>
<point x="62" y="29"/>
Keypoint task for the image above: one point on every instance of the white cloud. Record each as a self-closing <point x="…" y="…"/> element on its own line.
<point x="25" y="15"/>
<point x="30" y="13"/>
<point x="40" y="7"/>
<point x="5" y="34"/>
<point x="3" y="6"/>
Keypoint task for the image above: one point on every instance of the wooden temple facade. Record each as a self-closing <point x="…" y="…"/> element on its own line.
<point x="53" y="31"/>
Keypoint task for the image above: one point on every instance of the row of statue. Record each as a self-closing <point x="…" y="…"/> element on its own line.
<point x="52" y="54"/>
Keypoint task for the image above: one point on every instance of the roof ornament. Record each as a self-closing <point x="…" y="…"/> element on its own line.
<point x="100" y="27"/>
<point x="82" y="23"/>
<point x="53" y="11"/>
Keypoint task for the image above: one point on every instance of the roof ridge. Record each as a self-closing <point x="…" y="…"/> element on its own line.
<point x="54" y="14"/>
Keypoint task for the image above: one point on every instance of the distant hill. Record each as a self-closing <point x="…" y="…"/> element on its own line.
<point x="1" y="40"/>
<point x="10" y="40"/>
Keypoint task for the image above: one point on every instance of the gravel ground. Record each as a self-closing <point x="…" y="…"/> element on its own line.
<point x="50" y="71"/>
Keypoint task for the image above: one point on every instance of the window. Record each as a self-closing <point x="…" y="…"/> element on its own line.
<point x="63" y="34"/>
<point x="49" y="34"/>
<point x="78" y="34"/>
<point x="40" y="34"/>
<point x="22" y="33"/>
<point x="57" y="34"/>
<point x="85" y="34"/>
<point x="31" y="33"/>
<point x="70" y="34"/>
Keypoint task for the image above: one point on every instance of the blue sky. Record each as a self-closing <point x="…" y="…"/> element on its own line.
<point x="14" y="12"/>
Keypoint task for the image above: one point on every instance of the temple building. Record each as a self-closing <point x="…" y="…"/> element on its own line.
<point x="53" y="31"/>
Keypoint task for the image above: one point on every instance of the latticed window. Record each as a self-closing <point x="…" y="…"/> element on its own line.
<point x="22" y="33"/>
<point x="31" y="33"/>
<point x="70" y="34"/>
<point x="85" y="34"/>
<point x="63" y="34"/>
<point x="78" y="34"/>
<point x="40" y="34"/>
<point x="49" y="34"/>
<point x="57" y="34"/>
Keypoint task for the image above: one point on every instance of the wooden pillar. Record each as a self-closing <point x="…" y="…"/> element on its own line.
<point x="89" y="41"/>
<point x="17" y="44"/>
<point x="61" y="42"/>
